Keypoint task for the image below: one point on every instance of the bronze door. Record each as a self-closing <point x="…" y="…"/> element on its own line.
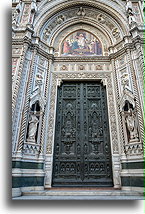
<point x="82" y="155"/>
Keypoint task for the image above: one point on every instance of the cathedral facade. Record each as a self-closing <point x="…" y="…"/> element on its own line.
<point x="77" y="94"/>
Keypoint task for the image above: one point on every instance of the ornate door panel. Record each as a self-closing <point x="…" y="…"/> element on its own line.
<point x="82" y="148"/>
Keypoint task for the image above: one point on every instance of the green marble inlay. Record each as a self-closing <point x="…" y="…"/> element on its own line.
<point x="27" y="181"/>
<point x="133" y="165"/>
<point x="132" y="181"/>
<point x="27" y="165"/>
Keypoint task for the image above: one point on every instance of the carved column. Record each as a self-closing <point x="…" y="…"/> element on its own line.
<point x="117" y="154"/>
<point x="18" y="78"/>
<point x="138" y="62"/>
<point x="50" y="133"/>
<point x="19" y="101"/>
<point x="45" y="115"/>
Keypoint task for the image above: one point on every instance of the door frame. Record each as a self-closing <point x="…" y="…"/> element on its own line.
<point x="87" y="182"/>
<point x="107" y="79"/>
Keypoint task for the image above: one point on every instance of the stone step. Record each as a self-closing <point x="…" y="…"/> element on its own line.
<point x="77" y="198"/>
<point x="82" y="193"/>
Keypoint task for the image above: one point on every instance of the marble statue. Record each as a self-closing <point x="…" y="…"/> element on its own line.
<point x="32" y="127"/>
<point x="131" y="125"/>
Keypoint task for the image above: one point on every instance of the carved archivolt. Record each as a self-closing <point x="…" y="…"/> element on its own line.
<point x="83" y="14"/>
<point x="47" y="9"/>
<point x="56" y="79"/>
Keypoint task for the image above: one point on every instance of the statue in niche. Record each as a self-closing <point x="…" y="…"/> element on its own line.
<point x="130" y="118"/>
<point x="131" y="125"/>
<point x="33" y="121"/>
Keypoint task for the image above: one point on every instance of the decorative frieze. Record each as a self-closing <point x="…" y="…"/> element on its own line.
<point x="134" y="149"/>
<point x="73" y="67"/>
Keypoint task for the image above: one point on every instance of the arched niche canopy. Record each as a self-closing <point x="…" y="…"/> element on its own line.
<point x="81" y="43"/>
